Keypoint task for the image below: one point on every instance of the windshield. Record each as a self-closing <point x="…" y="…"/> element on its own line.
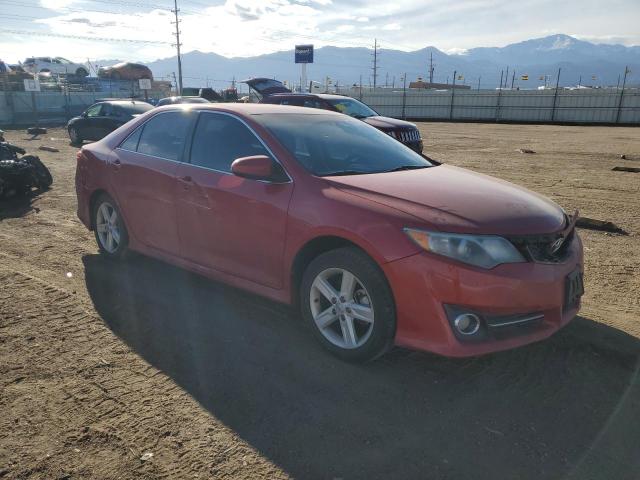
<point x="338" y="145"/>
<point x="352" y="107"/>
<point x="136" y="108"/>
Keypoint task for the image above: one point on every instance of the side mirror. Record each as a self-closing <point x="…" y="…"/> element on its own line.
<point x="257" y="167"/>
<point x="84" y="115"/>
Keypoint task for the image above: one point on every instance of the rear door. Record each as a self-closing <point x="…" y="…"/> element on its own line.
<point x="145" y="179"/>
<point x="228" y="223"/>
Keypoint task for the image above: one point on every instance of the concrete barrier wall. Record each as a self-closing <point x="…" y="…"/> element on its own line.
<point x="538" y="106"/>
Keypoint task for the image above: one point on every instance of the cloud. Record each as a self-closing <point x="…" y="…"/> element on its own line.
<point x="392" y="26"/>
<point x="362" y="19"/>
<point x="56" y="4"/>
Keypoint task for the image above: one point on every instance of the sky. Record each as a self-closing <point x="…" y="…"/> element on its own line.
<point x="141" y="30"/>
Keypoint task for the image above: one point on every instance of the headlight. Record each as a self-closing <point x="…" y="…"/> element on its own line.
<point x="484" y="251"/>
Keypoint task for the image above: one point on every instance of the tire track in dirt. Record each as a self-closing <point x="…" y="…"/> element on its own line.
<point x="101" y="422"/>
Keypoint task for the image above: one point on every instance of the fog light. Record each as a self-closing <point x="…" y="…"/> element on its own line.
<point x="467" y="323"/>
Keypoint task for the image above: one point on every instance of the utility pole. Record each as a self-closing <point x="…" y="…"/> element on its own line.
<point x="506" y="77"/>
<point x="386" y="80"/>
<point x="479" y="82"/>
<point x="178" y="45"/>
<point x="175" y="81"/>
<point x="513" y="78"/>
<point x="360" y="87"/>
<point x="624" y="83"/>
<point x="431" y="67"/>
<point x="580" y="82"/>
<point x="501" y="74"/>
<point x="555" y="96"/>
<point x="404" y="96"/>
<point x="375" y="62"/>
<point x="453" y="92"/>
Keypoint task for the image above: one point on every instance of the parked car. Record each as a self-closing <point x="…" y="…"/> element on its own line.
<point x="176" y="100"/>
<point x="125" y="71"/>
<point x="273" y="91"/>
<point x="57" y="65"/>
<point x="376" y="244"/>
<point x="102" y="118"/>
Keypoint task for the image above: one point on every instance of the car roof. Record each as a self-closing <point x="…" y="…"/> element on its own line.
<point x="250" y="108"/>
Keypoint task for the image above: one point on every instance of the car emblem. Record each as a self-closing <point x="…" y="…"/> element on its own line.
<point x="555" y="246"/>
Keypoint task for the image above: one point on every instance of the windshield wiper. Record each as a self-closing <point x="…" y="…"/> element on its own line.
<point x="406" y="167"/>
<point x="344" y="172"/>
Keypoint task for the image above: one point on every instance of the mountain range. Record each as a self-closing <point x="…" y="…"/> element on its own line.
<point x="577" y="59"/>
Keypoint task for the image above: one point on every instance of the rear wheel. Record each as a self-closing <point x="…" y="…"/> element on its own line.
<point x="347" y="301"/>
<point x="110" y="231"/>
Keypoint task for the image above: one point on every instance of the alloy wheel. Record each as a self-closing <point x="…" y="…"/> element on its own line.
<point x="107" y="227"/>
<point x="341" y="308"/>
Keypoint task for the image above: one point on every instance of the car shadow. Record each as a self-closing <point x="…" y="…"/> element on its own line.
<point x="535" y="412"/>
<point x="19" y="205"/>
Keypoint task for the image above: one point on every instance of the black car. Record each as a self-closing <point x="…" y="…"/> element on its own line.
<point x="184" y="99"/>
<point x="102" y="118"/>
<point x="272" y="91"/>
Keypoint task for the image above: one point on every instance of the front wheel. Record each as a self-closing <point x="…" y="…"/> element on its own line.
<point x="348" y="303"/>
<point x="82" y="72"/>
<point x="110" y="231"/>
<point x="74" y="136"/>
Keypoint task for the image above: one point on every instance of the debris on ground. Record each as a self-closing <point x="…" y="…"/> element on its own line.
<point x="146" y="456"/>
<point x="36" y="131"/>
<point x="592" y="224"/>
<point x="525" y="150"/>
<point x="623" y="156"/>
<point x="48" y="149"/>
<point x="626" y="169"/>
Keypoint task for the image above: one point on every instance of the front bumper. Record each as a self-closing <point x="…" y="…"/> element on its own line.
<point x="425" y="284"/>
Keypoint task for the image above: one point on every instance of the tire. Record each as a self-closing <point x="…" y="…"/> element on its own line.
<point x="82" y="72"/>
<point x="42" y="175"/>
<point x="360" y="320"/>
<point x="74" y="136"/>
<point x="117" y="247"/>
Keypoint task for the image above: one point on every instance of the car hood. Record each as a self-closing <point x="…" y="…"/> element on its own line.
<point x="456" y="200"/>
<point x="379" y="121"/>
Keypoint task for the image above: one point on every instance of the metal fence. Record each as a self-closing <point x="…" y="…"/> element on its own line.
<point x="29" y="108"/>
<point x="587" y="106"/>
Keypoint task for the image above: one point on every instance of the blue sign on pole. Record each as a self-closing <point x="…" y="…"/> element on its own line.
<point x="304" y="53"/>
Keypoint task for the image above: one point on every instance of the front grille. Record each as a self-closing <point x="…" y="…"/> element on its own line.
<point x="543" y="248"/>
<point x="406" y="136"/>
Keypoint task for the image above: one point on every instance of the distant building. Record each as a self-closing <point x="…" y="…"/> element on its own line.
<point x="437" y="86"/>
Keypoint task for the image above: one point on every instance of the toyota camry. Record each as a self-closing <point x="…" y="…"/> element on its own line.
<point x="375" y="244"/>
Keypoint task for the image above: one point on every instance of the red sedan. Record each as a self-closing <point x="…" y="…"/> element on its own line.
<point x="376" y="244"/>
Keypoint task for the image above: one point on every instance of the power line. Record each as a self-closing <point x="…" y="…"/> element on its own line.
<point x="81" y="37"/>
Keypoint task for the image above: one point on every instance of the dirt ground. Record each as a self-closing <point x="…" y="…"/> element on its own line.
<point x="140" y="370"/>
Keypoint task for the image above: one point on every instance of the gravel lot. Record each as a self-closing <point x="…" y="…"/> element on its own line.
<point x="102" y="365"/>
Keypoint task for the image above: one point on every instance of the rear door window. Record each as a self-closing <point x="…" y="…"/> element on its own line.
<point x="131" y="143"/>
<point x="164" y="135"/>
<point x="220" y="139"/>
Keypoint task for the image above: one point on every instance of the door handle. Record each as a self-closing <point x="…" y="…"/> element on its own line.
<point x="117" y="164"/>
<point x="186" y="178"/>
